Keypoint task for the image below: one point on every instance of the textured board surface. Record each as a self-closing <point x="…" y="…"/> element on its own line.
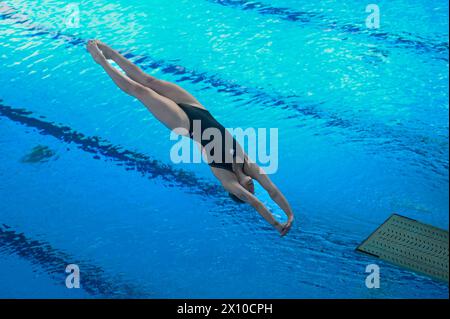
<point x="410" y="244"/>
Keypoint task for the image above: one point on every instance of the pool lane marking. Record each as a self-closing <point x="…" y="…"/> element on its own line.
<point x="94" y="279"/>
<point x="11" y="114"/>
<point x="130" y="160"/>
<point x="146" y="62"/>
<point x="306" y="17"/>
<point x="222" y="86"/>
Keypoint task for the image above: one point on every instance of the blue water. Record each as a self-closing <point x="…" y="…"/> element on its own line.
<point x="363" y="132"/>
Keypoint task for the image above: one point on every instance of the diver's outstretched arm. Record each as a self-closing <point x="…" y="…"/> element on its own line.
<point x="236" y="189"/>
<point x="277" y="196"/>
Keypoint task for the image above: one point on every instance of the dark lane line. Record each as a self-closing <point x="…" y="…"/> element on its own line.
<point x="93" y="279"/>
<point x="305" y="18"/>
<point x="210" y="81"/>
<point x="130" y="160"/>
<point x="398" y="140"/>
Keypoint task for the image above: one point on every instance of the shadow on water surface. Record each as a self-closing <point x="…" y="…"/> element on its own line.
<point x="39" y="154"/>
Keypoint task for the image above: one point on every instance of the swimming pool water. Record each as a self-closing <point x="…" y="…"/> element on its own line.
<point x="363" y="132"/>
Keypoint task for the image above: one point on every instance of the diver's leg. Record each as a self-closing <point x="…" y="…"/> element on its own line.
<point x="164" y="88"/>
<point x="164" y="109"/>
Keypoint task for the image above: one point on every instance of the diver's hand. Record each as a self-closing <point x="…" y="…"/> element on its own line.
<point x="93" y="49"/>
<point x="287" y="227"/>
<point x="290" y="220"/>
<point x="283" y="229"/>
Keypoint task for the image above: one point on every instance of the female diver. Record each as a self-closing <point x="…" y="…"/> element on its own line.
<point x="178" y="110"/>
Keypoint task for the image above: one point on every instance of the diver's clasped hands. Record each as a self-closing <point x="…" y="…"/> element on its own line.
<point x="283" y="229"/>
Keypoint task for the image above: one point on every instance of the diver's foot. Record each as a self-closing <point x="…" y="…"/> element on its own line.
<point x="106" y="49"/>
<point x="93" y="49"/>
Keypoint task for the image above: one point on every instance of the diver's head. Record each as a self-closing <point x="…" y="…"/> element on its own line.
<point x="247" y="182"/>
<point x="244" y="179"/>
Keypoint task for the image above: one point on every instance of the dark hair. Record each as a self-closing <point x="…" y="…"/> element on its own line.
<point x="236" y="199"/>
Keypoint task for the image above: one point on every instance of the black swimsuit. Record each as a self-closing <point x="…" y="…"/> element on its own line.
<point x="208" y="121"/>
